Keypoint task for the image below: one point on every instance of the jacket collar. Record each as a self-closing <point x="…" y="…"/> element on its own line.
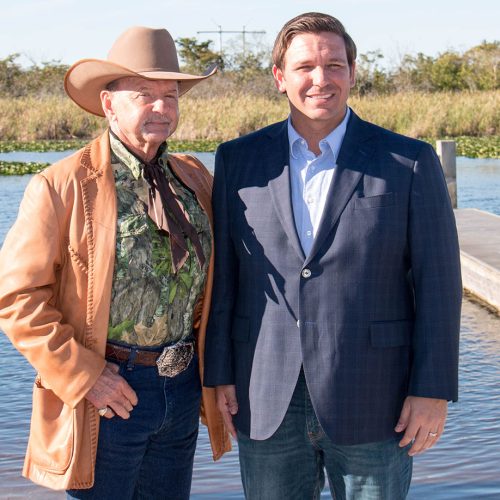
<point x="355" y="152"/>
<point x="354" y="155"/>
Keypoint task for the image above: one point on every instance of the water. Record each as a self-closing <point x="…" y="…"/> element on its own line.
<point x="478" y="180"/>
<point x="464" y="465"/>
<point x="35" y="157"/>
<point x="478" y="183"/>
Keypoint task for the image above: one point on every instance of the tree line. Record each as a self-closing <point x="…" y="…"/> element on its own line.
<point x="249" y="70"/>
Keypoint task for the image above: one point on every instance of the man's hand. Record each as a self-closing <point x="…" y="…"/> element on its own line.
<point x="111" y="390"/>
<point x="228" y="405"/>
<point x="423" y="421"/>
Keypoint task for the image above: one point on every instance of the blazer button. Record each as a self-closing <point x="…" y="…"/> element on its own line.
<point x="306" y="273"/>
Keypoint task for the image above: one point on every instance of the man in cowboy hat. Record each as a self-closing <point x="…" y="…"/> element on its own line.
<point x="105" y="283"/>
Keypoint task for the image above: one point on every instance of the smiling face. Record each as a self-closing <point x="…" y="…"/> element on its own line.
<point x="317" y="78"/>
<point x="142" y="113"/>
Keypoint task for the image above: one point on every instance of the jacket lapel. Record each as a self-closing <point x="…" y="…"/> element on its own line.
<point x="351" y="164"/>
<point x="193" y="174"/>
<point x="278" y="171"/>
<point x="99" y="201"/>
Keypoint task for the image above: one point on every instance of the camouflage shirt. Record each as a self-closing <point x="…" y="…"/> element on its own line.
<point x="150" y="305"/>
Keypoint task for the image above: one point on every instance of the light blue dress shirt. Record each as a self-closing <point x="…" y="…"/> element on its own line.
<point x="310" y="179"/>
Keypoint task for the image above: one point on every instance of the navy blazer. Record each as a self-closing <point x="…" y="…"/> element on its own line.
<point x="372" y="314"/>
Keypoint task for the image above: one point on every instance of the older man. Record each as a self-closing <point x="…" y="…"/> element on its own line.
<point x="102" y="279"/>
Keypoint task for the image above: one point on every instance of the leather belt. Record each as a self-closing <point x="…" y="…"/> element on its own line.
<point x="174" y="359"/>
<point x="122" y="353"/>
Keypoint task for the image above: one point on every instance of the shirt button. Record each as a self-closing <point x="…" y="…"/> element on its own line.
<point x="306" y="273"/>
<point x="310" y="199"/>
<point x="298" y="323"/>
<point x="309" y="233"/>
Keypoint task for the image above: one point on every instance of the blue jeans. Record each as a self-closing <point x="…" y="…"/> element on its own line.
<point x="291" y="463"/>
<point x="150" y="455"/>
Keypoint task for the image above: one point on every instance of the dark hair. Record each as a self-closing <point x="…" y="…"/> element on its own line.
<point x="311" y="22"/>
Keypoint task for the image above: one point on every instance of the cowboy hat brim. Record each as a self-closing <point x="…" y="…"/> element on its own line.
<point x="85" y="80"/>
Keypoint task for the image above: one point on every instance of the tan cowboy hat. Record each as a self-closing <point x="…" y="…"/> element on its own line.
<point x="144" y="52"/>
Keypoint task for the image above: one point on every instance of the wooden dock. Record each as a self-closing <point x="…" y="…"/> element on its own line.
<point x="479" y="235"/>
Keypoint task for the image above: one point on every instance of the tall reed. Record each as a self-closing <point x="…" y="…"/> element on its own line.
<point x="222" y="118"/>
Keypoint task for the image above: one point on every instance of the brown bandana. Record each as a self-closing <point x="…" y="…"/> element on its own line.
<point x="167" y="212"/>
<point x="169" y="215"/>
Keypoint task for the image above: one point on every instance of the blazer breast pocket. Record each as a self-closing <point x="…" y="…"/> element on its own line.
<point x="380" y="200"/>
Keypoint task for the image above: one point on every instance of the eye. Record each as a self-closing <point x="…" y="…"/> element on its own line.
<point x="141" y="95"/>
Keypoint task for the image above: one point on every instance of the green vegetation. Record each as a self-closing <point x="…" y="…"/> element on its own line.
<point x="175" y="146"/>
<point x="20" y="168"/>
<point x="478" y="147"/>
<point x="438" y="115"/>
<point x="215" y="119"/>
<point x="248" y="68"/>
<point x="474" y="69"/>
<point x="454" y="95"/>
<point x="472" y="147"/>
<point x="41" y="146"/>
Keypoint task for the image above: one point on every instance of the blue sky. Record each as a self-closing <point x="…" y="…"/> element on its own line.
<point x="68" y="30"/>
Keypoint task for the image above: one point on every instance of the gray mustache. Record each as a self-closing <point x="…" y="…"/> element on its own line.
<point x="158" y="118"/>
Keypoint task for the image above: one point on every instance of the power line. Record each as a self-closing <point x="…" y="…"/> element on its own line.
<point x="243" y="32"/>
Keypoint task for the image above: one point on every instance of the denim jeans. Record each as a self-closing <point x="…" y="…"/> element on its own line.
<point x="150" y="455"/>
<point x="291" y="463"/>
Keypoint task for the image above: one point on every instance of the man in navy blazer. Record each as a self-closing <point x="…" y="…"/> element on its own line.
<point x="333" y="335"/>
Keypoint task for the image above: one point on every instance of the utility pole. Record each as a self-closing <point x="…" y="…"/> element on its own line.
<point x="220" y="31"/>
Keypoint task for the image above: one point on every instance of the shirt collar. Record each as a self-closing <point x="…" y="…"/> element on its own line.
<point x="130" y="160"/>
<point x="333" y="139"/>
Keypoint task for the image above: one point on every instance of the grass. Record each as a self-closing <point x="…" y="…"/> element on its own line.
<point x="222" y="118"/>
<point x="436" y="116"/>
<point x="56" y="124"/>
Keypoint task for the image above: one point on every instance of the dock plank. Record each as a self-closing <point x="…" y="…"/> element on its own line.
<point x="479" y="236"/>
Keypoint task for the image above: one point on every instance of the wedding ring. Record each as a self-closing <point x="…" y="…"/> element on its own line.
<point x="433" y="434"/>
<point x="103" y="411"/>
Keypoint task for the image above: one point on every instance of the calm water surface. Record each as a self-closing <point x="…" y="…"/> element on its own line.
<point x="464" y="465"/>
<point x="478" y="180"/>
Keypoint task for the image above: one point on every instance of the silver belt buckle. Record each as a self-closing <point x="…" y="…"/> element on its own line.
<point x="175" y="359"/>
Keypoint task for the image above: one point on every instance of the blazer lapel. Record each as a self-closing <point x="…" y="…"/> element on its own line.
<point x="278" y="170"/>
<point x="351" y="164"/>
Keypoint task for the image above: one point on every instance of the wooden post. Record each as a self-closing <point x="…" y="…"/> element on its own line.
<point x="447" y="152"/>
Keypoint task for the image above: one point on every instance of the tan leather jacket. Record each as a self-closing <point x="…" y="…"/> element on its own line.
<point x="56" y="270"/>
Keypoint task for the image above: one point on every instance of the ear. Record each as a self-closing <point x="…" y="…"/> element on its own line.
<point x="352" y="75"/>
<point x="279" y="80"/>
<point x="107" y="104"/>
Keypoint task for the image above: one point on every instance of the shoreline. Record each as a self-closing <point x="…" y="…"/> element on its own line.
<point x="484" y="147"/>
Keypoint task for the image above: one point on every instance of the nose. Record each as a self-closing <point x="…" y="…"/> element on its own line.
<point x="318" y="76"/>
<point x="159" y="105"/>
